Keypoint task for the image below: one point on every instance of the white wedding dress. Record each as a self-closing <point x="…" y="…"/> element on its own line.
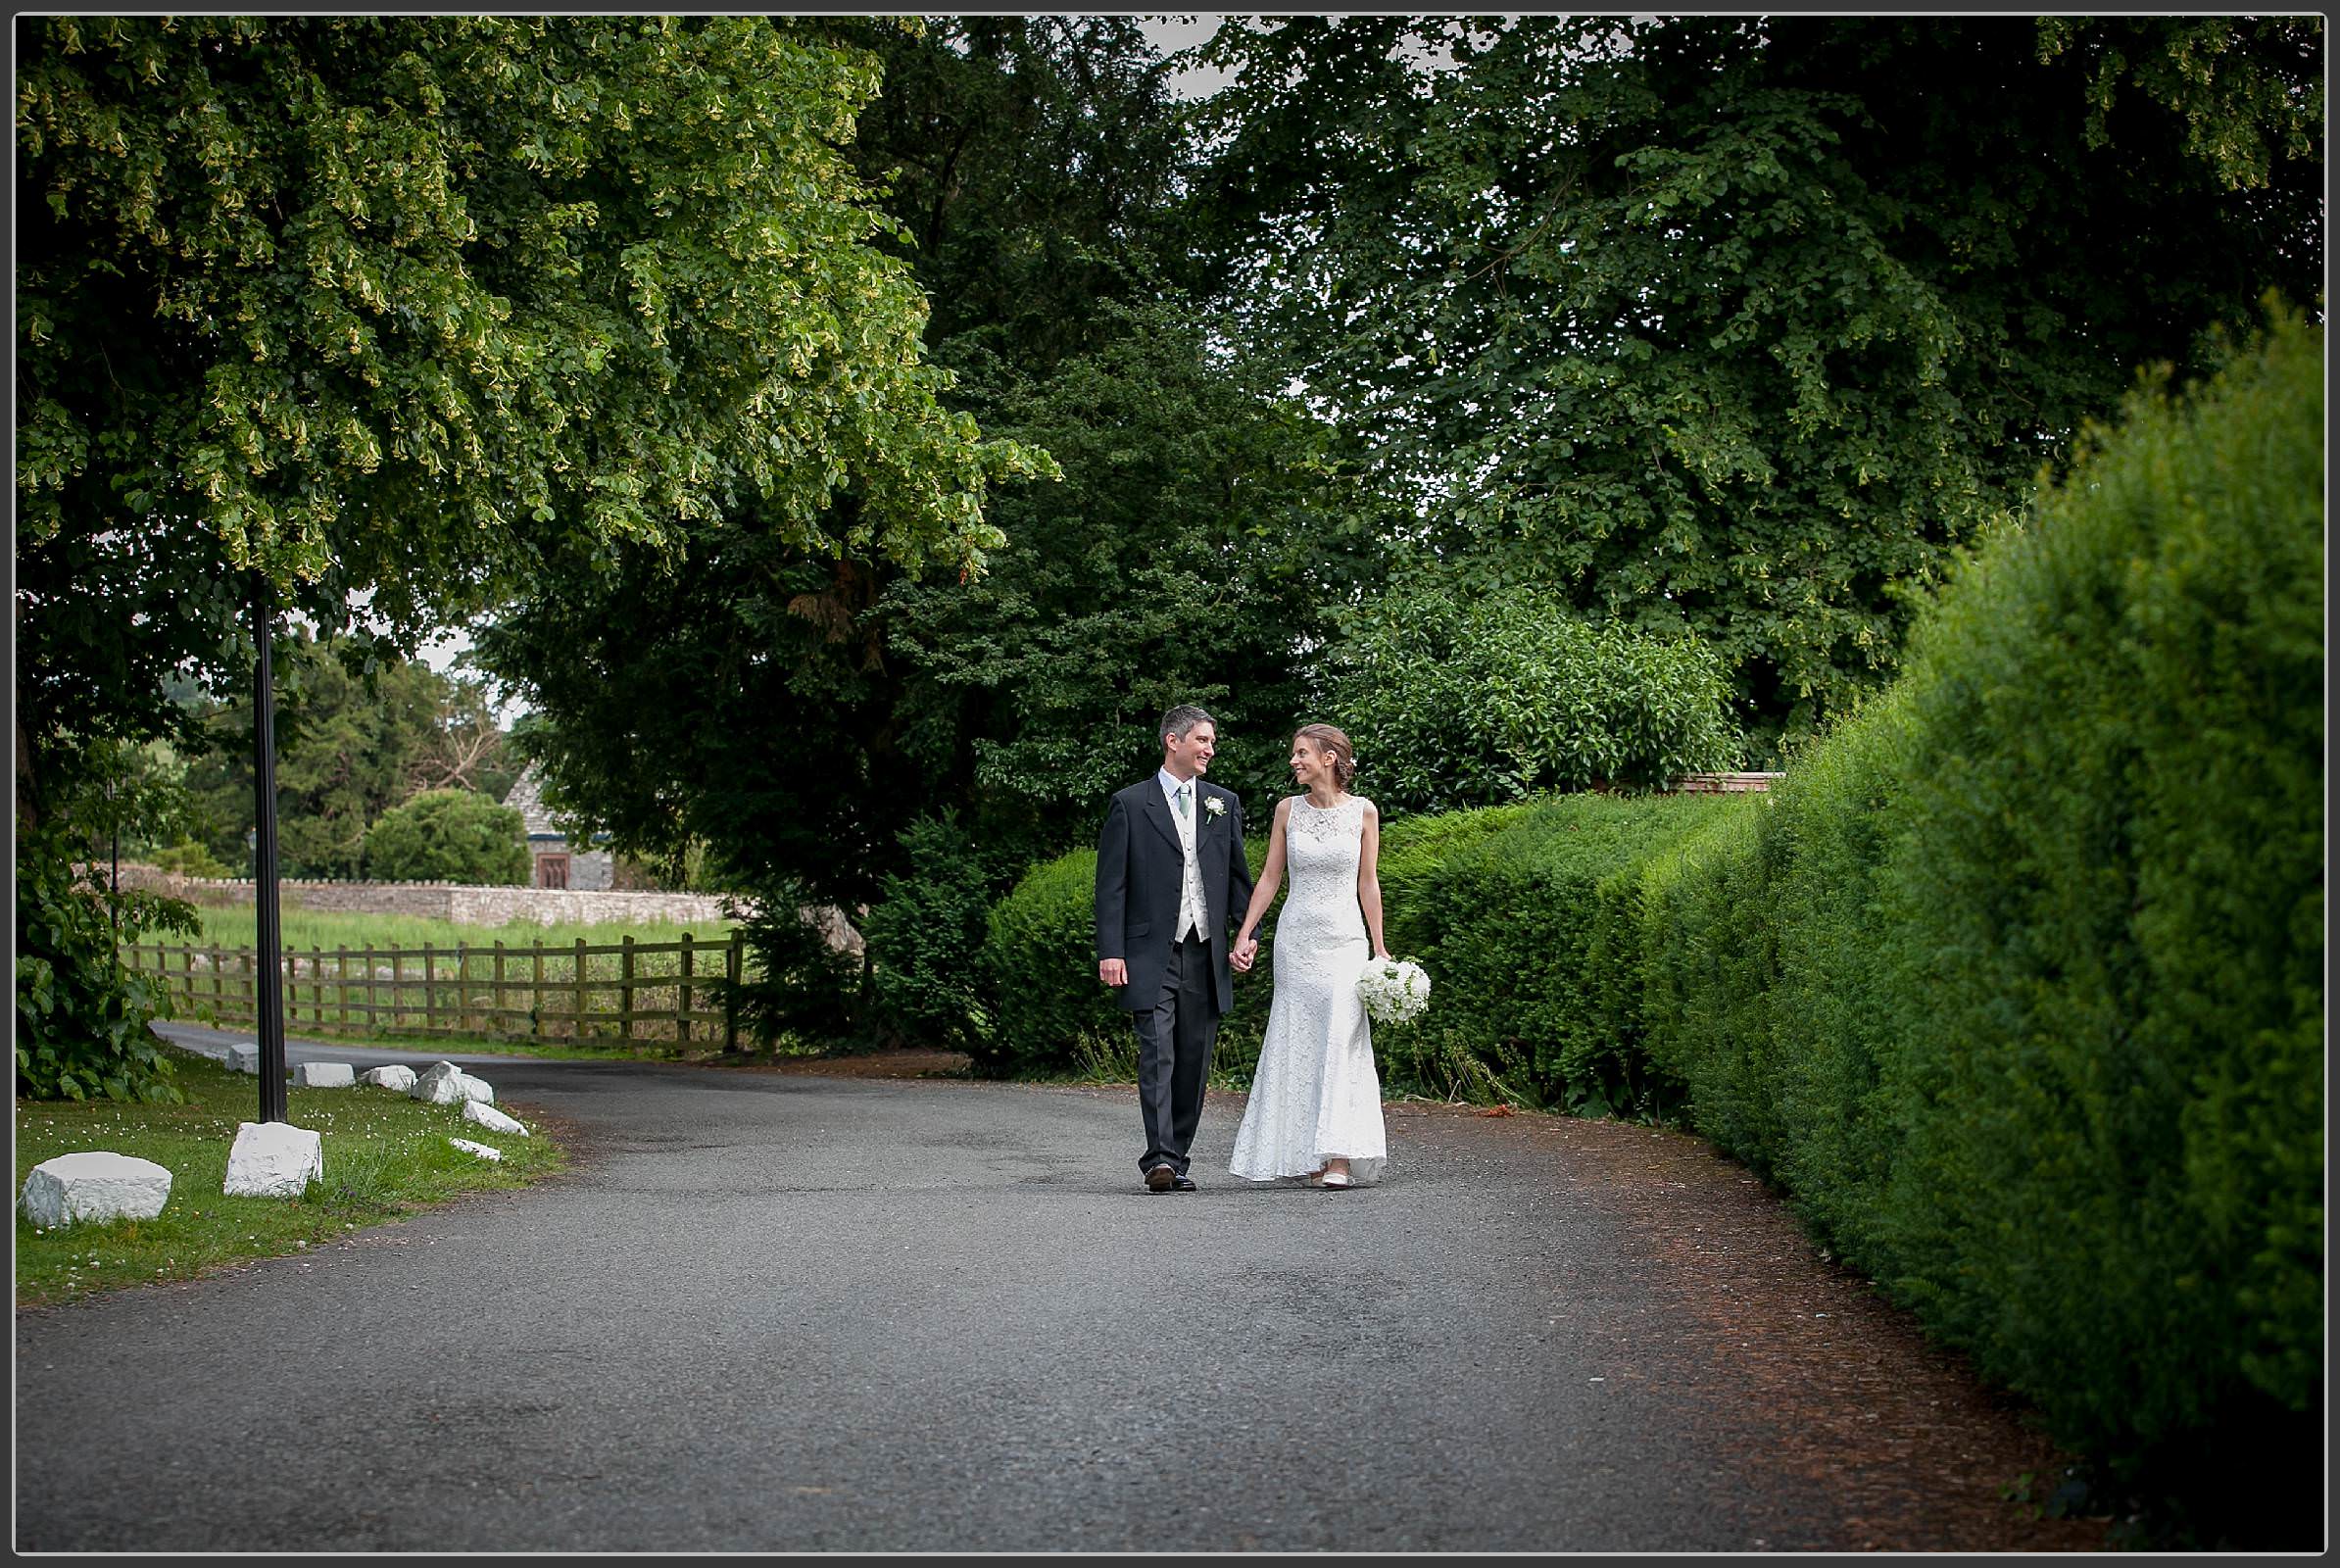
<point x="1316" y="1095"/>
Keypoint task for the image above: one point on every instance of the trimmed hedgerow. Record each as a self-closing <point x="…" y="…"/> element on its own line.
<point x="1046" y="1014"/>
<point x="1513" y="909"/>
<point x="2016" y="982"/>
<point x="1517" y="928"/>
<point x="2110" y="904"/>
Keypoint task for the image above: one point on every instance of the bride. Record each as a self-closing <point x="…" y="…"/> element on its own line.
<point x="1316" y="1101"/>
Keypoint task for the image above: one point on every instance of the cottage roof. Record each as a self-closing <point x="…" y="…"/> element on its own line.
<point x="526" y="798"/>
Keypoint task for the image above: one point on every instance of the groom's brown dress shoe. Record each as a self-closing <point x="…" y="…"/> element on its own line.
<point x="1158" y="1178"/>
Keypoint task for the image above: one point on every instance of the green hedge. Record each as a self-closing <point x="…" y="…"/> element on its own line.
<point x="1516" y="912"/>
<point x="1511" y="908"/>
<point x="1046" y="1013"/>
<point x="2016" y="982"/>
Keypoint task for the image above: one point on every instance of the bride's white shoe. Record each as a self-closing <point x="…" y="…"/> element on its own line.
<point x="1335" y="1178"/>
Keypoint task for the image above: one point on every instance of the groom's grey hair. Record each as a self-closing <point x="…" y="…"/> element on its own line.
<point x="1182" y="720"/>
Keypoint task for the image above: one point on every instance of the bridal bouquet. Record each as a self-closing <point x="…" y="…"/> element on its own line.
<point x="1394" y="990"/>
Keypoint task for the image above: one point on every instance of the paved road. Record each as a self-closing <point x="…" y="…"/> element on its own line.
<point x="776" y="1312"/>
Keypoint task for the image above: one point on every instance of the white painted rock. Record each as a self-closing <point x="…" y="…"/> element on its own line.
<point x="273" y="1159"/>
<point x="439" y="1083"/>
<point x="396" y="1076"/>
<point x="481" y="1150"/>
<point x="94" y="1186"/>
<point x="244" y="1058"/>
<point x="477" y="1089"/>
<point x="324" y="1075"/>
<point x="494" y="1120"/>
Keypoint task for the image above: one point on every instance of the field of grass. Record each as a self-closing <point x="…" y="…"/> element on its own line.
<point x="386" y="1157"/>
<point x="306" y="930"/>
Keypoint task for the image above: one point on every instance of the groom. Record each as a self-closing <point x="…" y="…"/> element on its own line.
<point x="1171" y="884"/>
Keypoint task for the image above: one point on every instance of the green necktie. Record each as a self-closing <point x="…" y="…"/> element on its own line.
<point x="1182" y="800"/>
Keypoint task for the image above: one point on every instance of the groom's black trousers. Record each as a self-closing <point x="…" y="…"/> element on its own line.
<point x="1175" y="1037"/>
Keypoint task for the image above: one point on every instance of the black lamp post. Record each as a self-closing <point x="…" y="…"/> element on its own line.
<point x="271" y="998"/>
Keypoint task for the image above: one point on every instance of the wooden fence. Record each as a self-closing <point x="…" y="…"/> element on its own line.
<point x="631" y="991"/>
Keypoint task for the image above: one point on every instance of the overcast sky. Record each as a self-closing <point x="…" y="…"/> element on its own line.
<point x="1170" y="34"/>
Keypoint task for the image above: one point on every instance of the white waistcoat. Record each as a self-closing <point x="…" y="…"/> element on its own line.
<point x="1190" y="905"/>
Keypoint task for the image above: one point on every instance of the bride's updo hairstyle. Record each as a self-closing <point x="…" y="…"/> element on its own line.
<point x="1329" y="739"/>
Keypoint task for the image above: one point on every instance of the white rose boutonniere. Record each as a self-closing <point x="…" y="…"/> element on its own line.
<point x="1214" y="806"/>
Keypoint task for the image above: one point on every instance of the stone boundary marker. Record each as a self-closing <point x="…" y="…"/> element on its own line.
<point x="269" y="1159"/>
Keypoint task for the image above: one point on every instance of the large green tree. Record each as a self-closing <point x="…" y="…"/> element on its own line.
<point x="1741" y="323"/>
<point x="799" y="717"/>
<point x="402" y="307"/>
<point x="390" y="312"/>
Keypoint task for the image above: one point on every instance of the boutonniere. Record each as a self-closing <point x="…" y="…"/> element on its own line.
<point x="1213" y="806"/>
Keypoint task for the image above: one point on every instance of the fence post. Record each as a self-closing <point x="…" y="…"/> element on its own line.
<point x="576" y="1027"/>
<point x="341" y="980"/>
<point x="463" y="986"/>
<point x="682" y="996"/>
<point x="625" y="988"/>
<point x="497" y="990"/>
<point x="733" y="966"/>
<point x="397" y="978"/>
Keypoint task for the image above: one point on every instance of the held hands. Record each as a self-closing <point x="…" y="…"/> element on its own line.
<point x="1244" y="951"/>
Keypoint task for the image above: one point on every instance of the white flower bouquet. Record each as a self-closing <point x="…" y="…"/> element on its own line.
<point x="1394" y="990"/>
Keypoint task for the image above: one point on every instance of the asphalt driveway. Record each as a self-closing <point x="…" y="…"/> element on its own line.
<point x="780" y="1312"/>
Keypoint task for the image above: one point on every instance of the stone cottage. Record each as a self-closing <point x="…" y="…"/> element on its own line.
<point x="556" y="863"/>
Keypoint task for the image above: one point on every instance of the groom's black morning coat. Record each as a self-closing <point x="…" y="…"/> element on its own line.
<point x="1140" y="868"/>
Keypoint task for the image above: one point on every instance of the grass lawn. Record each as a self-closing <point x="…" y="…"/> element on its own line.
<point x="306" y="930"/>
<point x="385" y="1157"/>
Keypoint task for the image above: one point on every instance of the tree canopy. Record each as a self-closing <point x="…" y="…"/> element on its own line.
<point x="1714" y="321"/>
<point x="407" y="308"/>
<point x="1197" y="525"/>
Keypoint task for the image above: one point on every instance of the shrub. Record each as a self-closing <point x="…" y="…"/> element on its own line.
<point x="1049" y="1016"/>
<point x="798" y="992"/>
<point x="1493" y="902"/>
<point x="449" y="836"/>
<point x="1039" y="967"/>
<point x="83" y="1018"/>
<point x="1456" y="704"/>
<point x="187" y="857"/>
<point x="926" y="935"/>
<point x="2109" y="897"/>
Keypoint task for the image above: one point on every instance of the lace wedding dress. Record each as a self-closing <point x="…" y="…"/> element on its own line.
<point x="1316" y="1095"/>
